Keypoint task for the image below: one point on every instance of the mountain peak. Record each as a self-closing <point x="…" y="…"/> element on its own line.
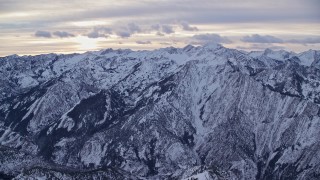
<point x="212" y="46"/>
<point x="188" y="47"/>
<point x="267" y="51"/>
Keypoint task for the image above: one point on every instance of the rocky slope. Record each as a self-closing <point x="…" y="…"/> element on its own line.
<point x="196" y="112"/>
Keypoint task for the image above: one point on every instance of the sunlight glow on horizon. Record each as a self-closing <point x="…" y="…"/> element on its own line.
<point x="85" y="43"/>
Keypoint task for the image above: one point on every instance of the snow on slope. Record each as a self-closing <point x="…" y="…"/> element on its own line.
<point x="193" y="112"/>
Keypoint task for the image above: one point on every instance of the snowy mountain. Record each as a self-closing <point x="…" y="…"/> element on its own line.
<point x="205" y="112"/>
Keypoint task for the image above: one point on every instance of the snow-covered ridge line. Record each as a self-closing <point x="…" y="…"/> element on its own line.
<point x="275" y="54"/>
<point x="171" y="113"/>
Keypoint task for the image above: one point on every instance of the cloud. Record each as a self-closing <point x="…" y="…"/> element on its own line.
<point x="170" y="28"/>
<point x="209" y="38"/>
<point x="159" y="34"/>
<point x="42" y="15"/>
<point x="256" y="38"/>
<point x="45" y="34"/>
<point x="166" y="43"/>
<point x="63" y="34"/>
<point x="129" y="30"/>
<point x="96" y="34"/>
<point x="260" y="47"/>
<point x="185" y="26"/>
<point x="123" y="34"/>
<point x="100" y="31"/>
<point x="309" y="40"/>
<point x="193" y="11"/>
<point x="121" y="31"/>
<point x="155" y="27"/>
<point x="268" y="39"/>
<point x="162" y="29"/>
<point x="167" y="29"/>
<point x="133" y="28"/>
<point x="143" y="42"/>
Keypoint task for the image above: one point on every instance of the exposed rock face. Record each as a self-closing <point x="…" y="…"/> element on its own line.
<point x="196" y="112"/>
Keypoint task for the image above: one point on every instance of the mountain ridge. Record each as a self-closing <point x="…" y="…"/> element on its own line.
<point x="168" y="113"/>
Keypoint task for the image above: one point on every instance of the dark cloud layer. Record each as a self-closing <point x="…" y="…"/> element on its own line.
<point x="205" y="11"/>
<point x="310" y="40"/>
<point x="95" y="34"/>
<point x="122" y="31"/>
<point x="123" y="34"/>
<point x="268" y="39"/>
<point x="167" y="29"/>
<point x="256" y="38"/>
<point x="99" y="31"/>
<point x="260" y="47"/>
<point x="127" y="31"/>
<point x="210" y="38"/>
<point x="62" y="34"/>
<point x="143" y="42"/>
<point x="44" y="34"/>
<point x="163" y="29"/>
<point x="47" y="34"/>
<point x="185" y="26"/>
<point x="132" y="28"/>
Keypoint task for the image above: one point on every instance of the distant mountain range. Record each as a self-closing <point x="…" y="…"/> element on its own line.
<point x="205" y="112"/>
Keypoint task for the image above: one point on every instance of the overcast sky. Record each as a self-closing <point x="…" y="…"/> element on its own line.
<point x="45" y="26"/>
